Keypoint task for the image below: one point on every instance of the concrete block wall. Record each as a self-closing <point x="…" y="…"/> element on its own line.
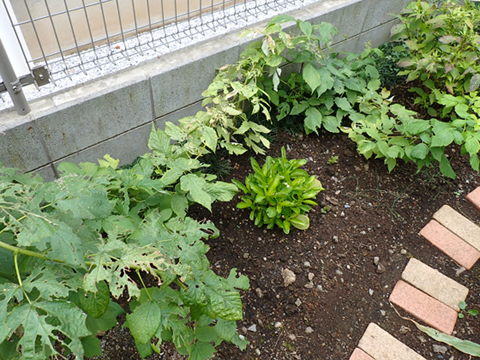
<point x="114" y="114"/>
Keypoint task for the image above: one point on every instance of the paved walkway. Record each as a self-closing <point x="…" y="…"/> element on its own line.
<point x="424" y="292"/>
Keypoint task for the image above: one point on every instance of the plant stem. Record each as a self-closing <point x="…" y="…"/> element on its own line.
<point x="141" y="280"/>
<point x="17" y="271"/>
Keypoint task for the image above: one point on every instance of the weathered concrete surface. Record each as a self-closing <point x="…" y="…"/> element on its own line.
<point x="111" y="115"/>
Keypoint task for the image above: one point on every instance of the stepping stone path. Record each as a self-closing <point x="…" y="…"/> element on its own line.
<point x="424" y="292"/>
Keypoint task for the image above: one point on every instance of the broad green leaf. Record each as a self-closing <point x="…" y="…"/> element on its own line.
<point x="472" y="145"/>
<point x="462" y="111"/>
<point x="225" y="329"/>
<point x="159" y="141"/>
<point x="331" y="124"/>
<point x="442" y="138"/>
<point x="205" y="333"/>
<point x="85" y="203"/>
<point x="301" y="222"/>
<point x="474" y="162"/>
<point x="201" y="351"/>
<point x="474" y="82"/>
<point x="343" y="104"/>
<point x="391" y="163"/>
<point x="313" y="120"/>
<point x="446" y="168"/>
<point x="105" y="322"/>
<point x="194" y="185"/>
<point x="311" y="76"/>
<point x="209" y="137"/>
<point x="179" y="205"/>
<point x="420" y="151"/>
<point x="355" y="84"/>
<point x="92" y="347"/>
<point x="95" y="304"/>
<point x="417" y="127"/>
<point x="144" y="321"/>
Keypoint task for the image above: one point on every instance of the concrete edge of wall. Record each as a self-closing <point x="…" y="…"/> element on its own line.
<point x="114" y="114"/>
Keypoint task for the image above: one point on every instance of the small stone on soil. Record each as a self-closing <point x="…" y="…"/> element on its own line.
<point x="403" y="252"/>
<point x="376" y="260"/>
<point x="439" y="349"/>
<point x="370" y="291"/>
<point x="381" y="268"/>
<point x="310" y="276"/>
<point x="309" y="330"/>
<point x="259" y="292"/>
<point x="298" y="302"/>
<point x="403" y="330"/>
<point x="292" y="337"/>
<point x="278" y="325"/>
<point x="252" y="328"/>
<point x="289" y="277"/>
<point x="306" y="264"/>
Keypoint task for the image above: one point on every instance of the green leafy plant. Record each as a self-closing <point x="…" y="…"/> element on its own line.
<point x="333" y="160"/>
<point x="279" y="193"/>
<point x="443" y="45"/>
<point x="463" y="305"/>
<point x="387" y="63"/>
<point x="68" y="247"/>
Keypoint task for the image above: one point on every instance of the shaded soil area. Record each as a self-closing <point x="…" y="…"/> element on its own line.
<point x="364" y="213"/>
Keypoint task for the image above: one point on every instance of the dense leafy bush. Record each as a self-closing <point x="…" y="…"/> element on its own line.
<point x="279" y="193"/>
<point x="68" y="246"/>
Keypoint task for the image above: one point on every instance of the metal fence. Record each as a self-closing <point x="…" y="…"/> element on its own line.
<point x="56" y="39"/>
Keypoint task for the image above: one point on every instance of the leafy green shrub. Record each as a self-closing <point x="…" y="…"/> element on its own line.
<point x="443" y="44"/>
<point x="279" y="193"/>
<point x="68" y="246"/>
<point x="387" y="64"/>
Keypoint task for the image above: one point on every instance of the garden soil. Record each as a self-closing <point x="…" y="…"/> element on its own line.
<point x="365" y="216"/>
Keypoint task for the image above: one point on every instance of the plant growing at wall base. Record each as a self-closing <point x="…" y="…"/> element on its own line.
<point x="279" y="193"/>
<point x="67" y="247"/>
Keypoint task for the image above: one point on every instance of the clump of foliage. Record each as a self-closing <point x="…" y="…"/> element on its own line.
<point x="67" y="247"/>
<point x="344" y="94"/>
<point x="279" y="193"/>
<point x="387" y="65"/>
<point x="443" y="46"/>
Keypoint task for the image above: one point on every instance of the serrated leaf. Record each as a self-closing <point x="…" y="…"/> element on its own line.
<point x="472" y="145"/>
<point x="474" y="162"/>
<point x="194" y="186"/>
<point x="313" y="120"/>
<point x="442" y="138"/>
<point x="474" y="83"/>
<point x="202" y="351"/>
<point x="311" y="76"/>
<point x="343" y="103"/>
<point x="158" y="141"/>
<point x="225" y="329"/>
<point x="95" y="304"/>
<point x="144" y="321"/>
<point x="209" y="137"/>
<point x="417" y="127"/>
<point x="446" y="168"/>
<point x="86" y="203"/>
<point x="179" y="205"/>
<point x="420" y="151"/>
<point x="105" y="322"/>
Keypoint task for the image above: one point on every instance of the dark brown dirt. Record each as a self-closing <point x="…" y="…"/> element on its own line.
<point x="364" y="212"/>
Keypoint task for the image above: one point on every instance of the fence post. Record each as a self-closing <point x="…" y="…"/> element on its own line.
<point x="12" y="83"/>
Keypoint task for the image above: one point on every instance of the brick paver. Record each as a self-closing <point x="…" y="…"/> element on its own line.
<point x="459" y="225"/>
<point x="463" y="253"/>
<point x="380" y="345"/>
<point x="474" y="197"/>
<point x="424" y="307"/>
<point x="359" y="354"/>
<point x="434" y="283"/>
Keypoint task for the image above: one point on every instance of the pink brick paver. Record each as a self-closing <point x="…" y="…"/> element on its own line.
<point x="429" y="310"/>
<point x="359" y="354"/>
<point x="474" y="197"/>
<point x="463" y="253"/>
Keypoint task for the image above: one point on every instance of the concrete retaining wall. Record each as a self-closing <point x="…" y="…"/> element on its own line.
<point x="114" y="114"/>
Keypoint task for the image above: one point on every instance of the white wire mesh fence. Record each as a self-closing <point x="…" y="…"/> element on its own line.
<point x="71" y="36"/>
